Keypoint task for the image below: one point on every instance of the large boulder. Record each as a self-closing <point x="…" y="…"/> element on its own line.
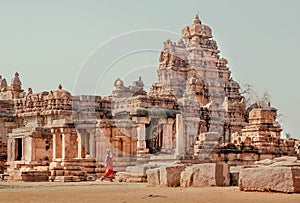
<point x="268" y="178"/>
<point x="281" y="174"/>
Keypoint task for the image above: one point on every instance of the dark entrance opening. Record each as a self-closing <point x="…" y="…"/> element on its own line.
<point x="154" y="136"/>
<point x="19" y="149"/>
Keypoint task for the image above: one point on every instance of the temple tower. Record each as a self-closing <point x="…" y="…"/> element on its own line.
<point x="193" y="70"/>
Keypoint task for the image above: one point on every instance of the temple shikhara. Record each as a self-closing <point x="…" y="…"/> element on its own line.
<point x="193" y="119"/>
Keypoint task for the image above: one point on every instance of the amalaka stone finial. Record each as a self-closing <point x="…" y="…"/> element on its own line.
<point x="59" y="86"/>
<point x="197" y="20"/>
<point x="17" y="74"/>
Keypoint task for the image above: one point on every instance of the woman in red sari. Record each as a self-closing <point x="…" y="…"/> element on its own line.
<point x="109" y="174"/>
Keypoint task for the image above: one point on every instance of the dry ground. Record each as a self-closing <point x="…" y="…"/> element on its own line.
<point x="121" y="192"/>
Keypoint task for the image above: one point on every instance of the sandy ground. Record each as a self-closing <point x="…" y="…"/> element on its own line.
<point x="122" y="192"/>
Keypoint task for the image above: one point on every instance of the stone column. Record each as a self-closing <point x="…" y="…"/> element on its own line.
<point x="23" y="149"/>
<point x="79" y="144"/>
<point x="85" y="139"/>
<point x="11" y="149"/>
<point x="28" y="148"/>
<point x="179" y="151"/>
<point x="92" y="143"/>
<point x="167" y="134"/>
<point x="141" y="136"/>
<point x="142" y="152"/>
<point x="54" y="145"/>
<point x="63" y="144"/>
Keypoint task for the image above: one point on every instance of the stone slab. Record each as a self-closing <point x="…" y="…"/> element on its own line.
<point x="153" y="177"/>
<point x="186" y="177"/>
<point x="279" y="179"/>
<point x="170" y="175"/>
<point x="211" y="174"/>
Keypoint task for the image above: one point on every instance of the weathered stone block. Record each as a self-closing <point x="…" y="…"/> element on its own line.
<point x="170" y="175"/>
<point x="186" y="177"/>
<point x="211" y="174"/>
<point x="209" y="136"/>
<point x="153" y="177"/>
<point x="266" y="178"/>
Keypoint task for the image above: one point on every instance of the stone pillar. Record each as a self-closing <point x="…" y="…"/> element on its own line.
<point x="133" y="142"/>
<point x="11" y="149"/>
<point x="179" y="151"/>
<point x="54" y="145"/>
<point x="28" y="148"/>
<point x="167" y="135"/>
<point x="79" y="142"/>
<point x="141" y="136"/>
<point x="85" y="142"/>
<point x="63" y="144"/>
<point x="23" y="149"/>
<point x="91" y="143"/>
<point x="142" y="151"/>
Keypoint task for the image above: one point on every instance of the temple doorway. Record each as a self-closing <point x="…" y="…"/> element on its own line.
<point x="19" y="149"/>
<point x="154" y="136"/>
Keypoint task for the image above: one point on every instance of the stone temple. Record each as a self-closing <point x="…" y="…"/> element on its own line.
<point x="194" y="114"/>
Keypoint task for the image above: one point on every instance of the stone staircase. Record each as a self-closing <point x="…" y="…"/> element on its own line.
<point x="121" y="163"/>
<point x="27" y="172"/>
<point x="73" y="170"/>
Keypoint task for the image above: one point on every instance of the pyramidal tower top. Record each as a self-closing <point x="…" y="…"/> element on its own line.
<point x="196" y="29"/>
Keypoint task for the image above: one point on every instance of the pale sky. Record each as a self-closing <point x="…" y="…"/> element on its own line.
<point x="49" y="41"/>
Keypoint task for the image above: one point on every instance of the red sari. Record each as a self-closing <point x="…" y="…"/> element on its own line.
<point x="109" y="168"/>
